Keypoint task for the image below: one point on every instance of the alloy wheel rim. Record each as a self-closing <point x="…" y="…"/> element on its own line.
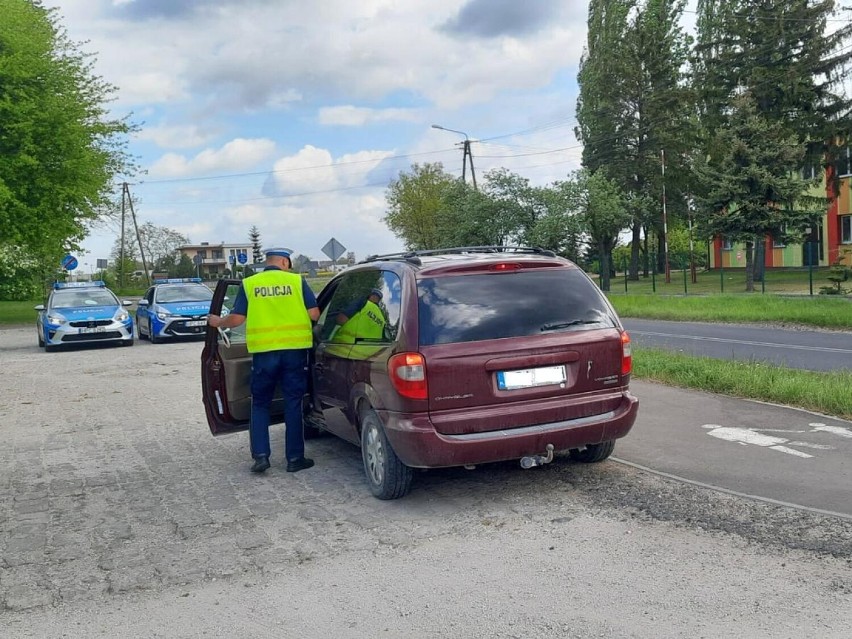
<point x="375" y="456"/>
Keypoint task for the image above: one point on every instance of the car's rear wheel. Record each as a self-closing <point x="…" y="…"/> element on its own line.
<point x="593" y="452"/>
<point x="387" y="476"/>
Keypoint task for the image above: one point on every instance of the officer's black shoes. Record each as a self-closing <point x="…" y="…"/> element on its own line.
<point x="298" y="464"/>
<point x="260" y="464"/>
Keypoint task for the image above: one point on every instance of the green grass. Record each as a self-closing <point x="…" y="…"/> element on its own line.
<point x="12" y="313"/>
<point x="826" y="393"/>
<point x="818" y="311"/>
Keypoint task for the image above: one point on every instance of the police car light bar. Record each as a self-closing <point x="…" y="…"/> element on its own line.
<point x="177" y="280"/>
<point x="59" y="285"/>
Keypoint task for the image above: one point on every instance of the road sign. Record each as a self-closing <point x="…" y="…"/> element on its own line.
<point x="69" y="262"/>
<point x="300" y="263"/>
<point x="102" y="264"/>
<point x="242" y="258"/>
<point x="231" y="259"/>
<point x="197" y="260"/>
<point x="333" y="249"/>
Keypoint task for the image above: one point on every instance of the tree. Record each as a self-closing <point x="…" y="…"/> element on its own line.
<point x="254" y="238"/>
<point x="783" y="55"/>
<point x="160" y="245"/>
<point x="415" y="208"/>
<point x="60" y="150"/>
<point x="634" y="104"/>
<point x="753" y="185"/>
<point x="604" y="208"/>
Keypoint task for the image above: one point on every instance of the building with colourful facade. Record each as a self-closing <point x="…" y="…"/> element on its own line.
<point x="829" y="242"/>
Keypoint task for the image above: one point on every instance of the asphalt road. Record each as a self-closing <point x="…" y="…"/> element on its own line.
<point x="752" y="448"/>
<point x="814" y="350"/>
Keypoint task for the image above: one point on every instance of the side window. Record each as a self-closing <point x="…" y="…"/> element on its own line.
<point x="237" y="335"/>
<point x="150" y="295"/>
<point x="365" y="307"/>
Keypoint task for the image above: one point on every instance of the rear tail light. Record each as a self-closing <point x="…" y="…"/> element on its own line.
<point x="408" y="375"/>
<point x="626" y="354"/>
<point x="506" y="266"/>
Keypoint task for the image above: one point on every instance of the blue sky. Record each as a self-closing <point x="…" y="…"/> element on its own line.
<point x="292" y="115"/>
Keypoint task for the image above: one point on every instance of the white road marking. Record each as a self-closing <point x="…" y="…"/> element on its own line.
<point x="809" y="445"/>
<point x="746" y="436"/>
<point x="834" y="430"/>
<point x="699" y="338"/>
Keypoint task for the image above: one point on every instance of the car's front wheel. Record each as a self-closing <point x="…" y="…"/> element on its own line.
<point x="387" y="476"/>
<point x="40" y="339"/>
<point x="593" y="452"/>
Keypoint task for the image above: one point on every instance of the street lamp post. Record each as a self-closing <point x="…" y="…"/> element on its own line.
<point x="466" y="156"/>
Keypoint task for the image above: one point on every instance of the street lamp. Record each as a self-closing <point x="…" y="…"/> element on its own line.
<point x="466" y="156"/>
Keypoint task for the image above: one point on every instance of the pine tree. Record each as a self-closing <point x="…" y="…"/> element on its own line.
<point x="256" y="251"/>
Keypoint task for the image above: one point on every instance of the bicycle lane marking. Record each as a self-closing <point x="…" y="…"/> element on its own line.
<point x="754" y="437"/>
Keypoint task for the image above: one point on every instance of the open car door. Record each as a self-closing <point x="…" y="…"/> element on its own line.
<point x="226" y="370"/>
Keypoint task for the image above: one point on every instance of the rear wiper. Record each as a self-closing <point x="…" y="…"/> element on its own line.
<point x="558" y="325"/>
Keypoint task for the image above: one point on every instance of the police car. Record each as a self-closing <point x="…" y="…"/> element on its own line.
<point x="82" y="313"/>
<point x="175" y="307"/>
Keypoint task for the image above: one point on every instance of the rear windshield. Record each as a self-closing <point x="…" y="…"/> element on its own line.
<point x="468" y="308"/>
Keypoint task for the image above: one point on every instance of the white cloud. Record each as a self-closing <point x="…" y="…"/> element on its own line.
<point x="237" y="155"/>
<point x="358" y="116"/>
<point x="176" y="137"/>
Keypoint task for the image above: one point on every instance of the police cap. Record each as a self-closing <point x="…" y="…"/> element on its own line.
<point x="278" y="251"/>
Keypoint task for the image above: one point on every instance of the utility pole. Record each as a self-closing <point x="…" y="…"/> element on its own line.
<point x="665" y="222"/>
<point x="121" y="248"/>
<point x="136" y="227"/>
<point x="467" y="155"/>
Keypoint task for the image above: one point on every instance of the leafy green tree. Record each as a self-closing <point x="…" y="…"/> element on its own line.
<point x="256" y="246"/>
<point x="605" y="212"/>
<point x="183" y="268"/>
<point x="60" y="149"/>
<point x="753" y="184"/>
<point x="416" y="208"/>
<point x="635" y="104"/>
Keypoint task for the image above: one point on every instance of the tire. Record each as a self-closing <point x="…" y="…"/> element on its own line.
<point x="387" y="477"/>
<point x="40" y="339"/>
<point x="127" y="343"/>
<point x="50" y="348"/>
<point x="151" y="336"/>
<point x="593" y="452"/>
<point x="139" y="333"/>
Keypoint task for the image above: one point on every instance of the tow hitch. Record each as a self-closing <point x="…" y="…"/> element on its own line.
<point x="531" y="461"/>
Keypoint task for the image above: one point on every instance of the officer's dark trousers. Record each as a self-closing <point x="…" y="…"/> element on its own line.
<point x="286" y="370"/>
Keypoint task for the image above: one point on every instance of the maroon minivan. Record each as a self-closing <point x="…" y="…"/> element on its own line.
<point x="452" y="357"/>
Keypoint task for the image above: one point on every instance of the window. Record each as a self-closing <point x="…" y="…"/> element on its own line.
<point x="779" y="242"/>
<point x="472" y="308"/>
<point x="846" y="229"/>
<point x="355" y="300"/>
<point x="217" y="254"/>
<point x="726" y="244"/>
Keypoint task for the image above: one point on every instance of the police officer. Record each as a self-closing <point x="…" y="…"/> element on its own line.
<point x="364" y="319"/>
<point x="277" y="307"/>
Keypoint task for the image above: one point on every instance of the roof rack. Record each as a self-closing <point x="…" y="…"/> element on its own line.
<point x="414" y="256"/>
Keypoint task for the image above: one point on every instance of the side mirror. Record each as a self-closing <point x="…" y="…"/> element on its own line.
<point x="40" y="307"/>
<point x="142" y="303"/>
<point x="127" y="303"/>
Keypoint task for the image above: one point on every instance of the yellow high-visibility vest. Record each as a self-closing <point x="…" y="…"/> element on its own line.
<point x="368" y="323"/>
<point x="277" y="318"/>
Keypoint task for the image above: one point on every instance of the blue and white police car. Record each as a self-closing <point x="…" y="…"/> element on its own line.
<point x="174" y="307"/>
<point x="83" y="313"/>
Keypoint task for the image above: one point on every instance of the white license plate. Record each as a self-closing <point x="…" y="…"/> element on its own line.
<point x="96" y="329"/>
<point x="196" y="323"/>
<point x="530" y="377"/>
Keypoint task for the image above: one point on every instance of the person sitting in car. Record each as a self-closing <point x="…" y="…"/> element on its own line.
<point x="364" y="319"/>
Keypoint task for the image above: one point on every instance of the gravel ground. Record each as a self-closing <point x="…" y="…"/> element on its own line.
<point x="120" y="516"/>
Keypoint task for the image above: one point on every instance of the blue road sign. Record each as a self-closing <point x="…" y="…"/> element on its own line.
<point x="242" y="257"/>
<point x="69" y="262"/>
